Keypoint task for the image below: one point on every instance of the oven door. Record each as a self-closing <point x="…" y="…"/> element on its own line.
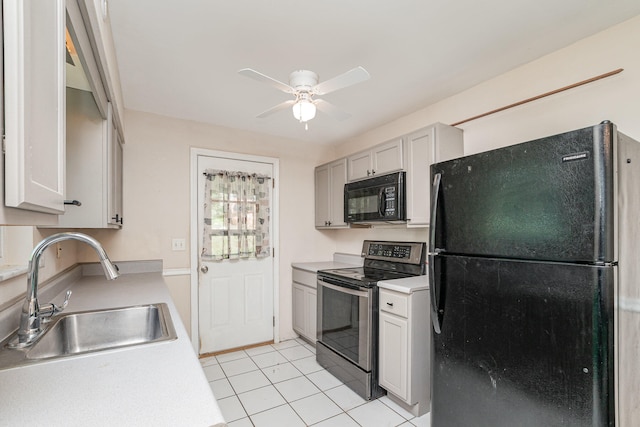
<point x="345" y="320"/>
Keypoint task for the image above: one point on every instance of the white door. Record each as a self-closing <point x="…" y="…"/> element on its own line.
<point x="235" y="297"/>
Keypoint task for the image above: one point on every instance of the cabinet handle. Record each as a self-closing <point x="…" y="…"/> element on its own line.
<point x="368" y="172"/>
<point x="390" y="304"/>
<point x="328" y="222"/>
<point x="73" y="202"/>
<point x="117" y="219"/>
<point x="373" y="172"/>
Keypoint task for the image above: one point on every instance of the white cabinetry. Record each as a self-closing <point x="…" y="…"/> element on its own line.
<point x="329" y="194"/>
<point x="114" y="192"/>
<point x="433" y="144"/>
<point x="383" y="158"/>
<point x="404" y="332"/>
<point x="93" y="142"/>
<point x="304" y="304"/>
<point x="94" y="165"/>
<point x="34" y="114"/>
<point x="35" y="174"/>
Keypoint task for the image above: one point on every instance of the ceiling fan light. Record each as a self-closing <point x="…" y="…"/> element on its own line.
<point x="304" y="110"/>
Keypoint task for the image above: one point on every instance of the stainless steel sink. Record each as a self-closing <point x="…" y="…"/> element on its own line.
<point x="92" y="331"/>
<point x="89" y="331"/>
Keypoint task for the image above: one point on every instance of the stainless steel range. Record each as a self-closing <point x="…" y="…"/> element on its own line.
<point x="347" y="343"/>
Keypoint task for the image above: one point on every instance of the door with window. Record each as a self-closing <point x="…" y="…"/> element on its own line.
<point x="236" y="263"/>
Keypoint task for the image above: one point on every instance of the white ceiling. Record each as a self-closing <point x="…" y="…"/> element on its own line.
<point x="181" y="58"/>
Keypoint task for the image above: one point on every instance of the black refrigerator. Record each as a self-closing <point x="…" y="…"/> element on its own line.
<point x="531" y="247"/>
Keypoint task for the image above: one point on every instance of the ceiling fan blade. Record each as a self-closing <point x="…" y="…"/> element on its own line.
<point x="275" y="109"/>
<point x="349" y="78"/>
<point x="331" y="110"/>
<point x="248" y="72"/>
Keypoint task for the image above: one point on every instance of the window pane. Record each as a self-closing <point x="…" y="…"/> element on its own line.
<point x="218" y="246"/>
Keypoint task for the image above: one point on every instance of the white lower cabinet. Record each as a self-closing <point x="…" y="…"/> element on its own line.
<point x="394" y="333"/>
<point x="304" y="304"/>
<point x="404" y="342"/>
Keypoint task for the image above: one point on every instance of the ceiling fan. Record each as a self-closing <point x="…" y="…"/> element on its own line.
<point x="304" y="86"/>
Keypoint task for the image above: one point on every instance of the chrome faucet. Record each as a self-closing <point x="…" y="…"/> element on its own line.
<point x="33" y="313"/>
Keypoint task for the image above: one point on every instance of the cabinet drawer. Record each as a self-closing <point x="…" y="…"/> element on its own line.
<point x="394" y="302"/>
<point x="304" y="277"/>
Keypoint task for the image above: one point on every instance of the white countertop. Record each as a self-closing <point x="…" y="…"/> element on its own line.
<point x="159" y="384"/>
<point x="406" y="285"/>
<point x="313" y="267"/>
<point x="340" y="260"/>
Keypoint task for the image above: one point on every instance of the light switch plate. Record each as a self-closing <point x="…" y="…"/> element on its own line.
<point x="178" y="244"/>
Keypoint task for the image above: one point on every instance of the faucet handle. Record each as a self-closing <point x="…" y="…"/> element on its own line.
<point x="47" y="311"/>
<point x="65" y="303"/>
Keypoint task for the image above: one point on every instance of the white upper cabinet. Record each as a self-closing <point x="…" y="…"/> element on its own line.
<point x="329" y="194"/>
<point x="94" y="148"/>
<point x="436" y="143"/>
<point x="62" y="140"/>
<point x="34" y="108"/>
<point x="114" y="177"/>
<point x="383" y="158"/>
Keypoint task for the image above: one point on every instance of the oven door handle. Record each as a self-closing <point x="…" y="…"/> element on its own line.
<point x="343" y="289"/>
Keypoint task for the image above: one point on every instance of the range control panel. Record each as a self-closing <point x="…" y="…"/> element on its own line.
<point x="406" y="252"/>
<point x="390" y="251"/>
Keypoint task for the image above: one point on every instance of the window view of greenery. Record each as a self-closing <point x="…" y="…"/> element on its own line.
<point x="229" y="224"/>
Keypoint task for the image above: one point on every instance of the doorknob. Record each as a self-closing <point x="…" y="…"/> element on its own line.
<point x="204" y="269"/>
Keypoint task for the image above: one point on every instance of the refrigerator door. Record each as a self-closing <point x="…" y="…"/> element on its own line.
<point x="522" y="343"/>
<point x="548" y="199"/>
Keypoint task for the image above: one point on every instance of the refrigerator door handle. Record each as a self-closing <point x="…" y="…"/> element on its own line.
<point x="435" y="311"/>
<point x="435" y="190"/>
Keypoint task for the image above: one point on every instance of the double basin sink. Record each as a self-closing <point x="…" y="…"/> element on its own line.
<point x="93" y="331"/>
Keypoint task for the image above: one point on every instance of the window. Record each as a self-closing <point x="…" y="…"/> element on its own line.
<point x="236" y="215"/>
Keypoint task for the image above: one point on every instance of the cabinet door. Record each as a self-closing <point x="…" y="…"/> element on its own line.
<point x="338" y="177"/>
<point x="359" y="165"/>
<point x="311" y="302"/>
<point x="420" y="156"/>
<point x="114" y="171"/>
<point x="322" y="213"/>
<point x="387" y="157"/>
<point x="34" y="85"/>
<point x="394" y="342"/>
<point x="298" y="308"/>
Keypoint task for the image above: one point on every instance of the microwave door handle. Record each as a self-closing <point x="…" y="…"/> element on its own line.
<point x="382" y="202"/>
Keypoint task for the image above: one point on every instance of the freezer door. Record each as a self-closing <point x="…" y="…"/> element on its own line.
<point x="548" y="199"/>
<point x="522" y="343"/>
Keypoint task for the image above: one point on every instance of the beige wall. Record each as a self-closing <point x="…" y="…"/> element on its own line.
<point x="615" y="98"/>
<point x="157" y="197"/>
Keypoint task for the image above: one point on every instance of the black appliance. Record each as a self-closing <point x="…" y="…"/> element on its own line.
<point x="380" y="198"/>
<point x="347" y="324"/>
<point x="531" y="248"/>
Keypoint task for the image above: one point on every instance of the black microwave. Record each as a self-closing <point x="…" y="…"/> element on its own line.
<point x="381" y="198"/>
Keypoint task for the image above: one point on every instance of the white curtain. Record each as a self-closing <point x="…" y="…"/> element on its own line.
<point x="236" y="215"/>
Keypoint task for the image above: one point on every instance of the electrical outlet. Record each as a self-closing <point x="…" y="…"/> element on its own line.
<point x="178" y="245"/>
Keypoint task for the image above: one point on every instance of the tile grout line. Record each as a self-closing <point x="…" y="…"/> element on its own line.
<point x="246" y="355"/>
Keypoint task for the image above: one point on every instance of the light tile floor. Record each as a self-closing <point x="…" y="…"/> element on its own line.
<point x="282" y="385"/>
